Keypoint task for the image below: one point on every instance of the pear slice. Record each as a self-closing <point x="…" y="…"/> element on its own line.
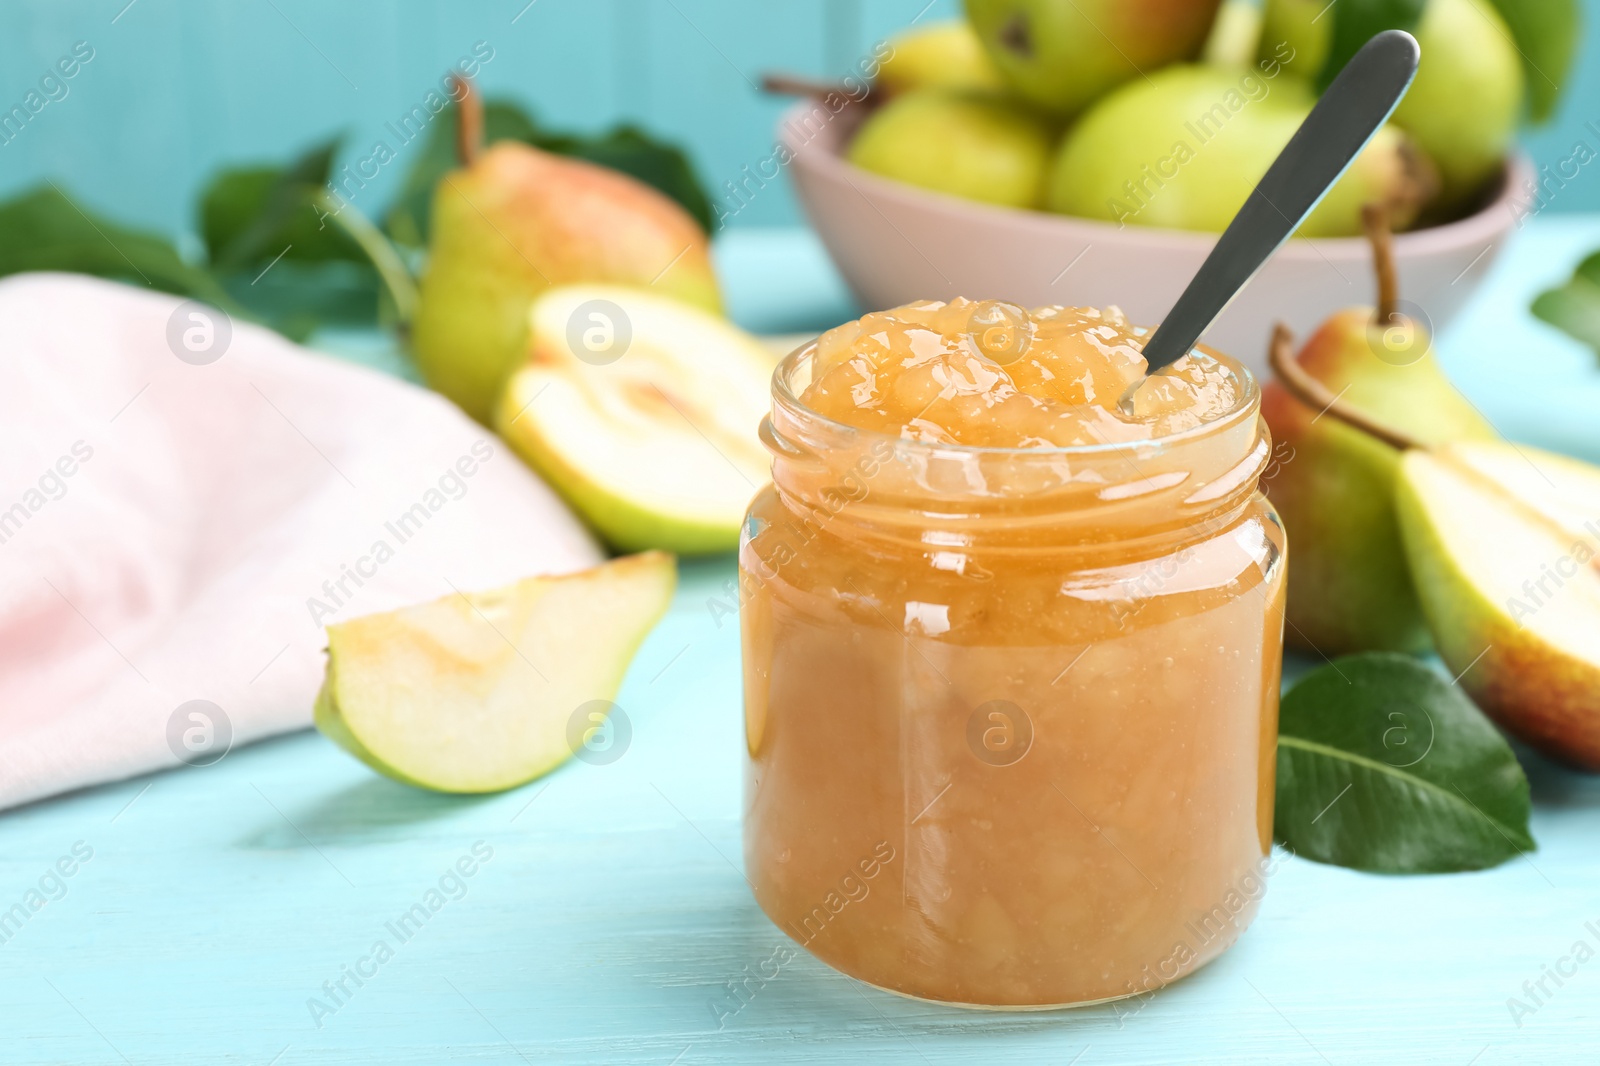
<point x="1562" y="490"/>
<point x="1505" y="568"/>
<point x="644" y="413"/>
<point x="479" y="692"/>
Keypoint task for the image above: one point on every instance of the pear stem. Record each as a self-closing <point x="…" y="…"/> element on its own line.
<point x="797" y="85"/>
<point x="469" y="120"/>
<point x="379" y="251"/>
<point x="1375" y="218"/>
<point x="1317" y="396"/>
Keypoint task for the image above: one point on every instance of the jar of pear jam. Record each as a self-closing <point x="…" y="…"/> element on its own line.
<point x="1012" y="641"/>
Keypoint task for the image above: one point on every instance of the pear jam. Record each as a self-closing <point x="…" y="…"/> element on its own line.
<point x="1012" y="626"/>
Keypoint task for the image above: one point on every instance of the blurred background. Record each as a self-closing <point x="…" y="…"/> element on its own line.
<point x="180" y="88"/>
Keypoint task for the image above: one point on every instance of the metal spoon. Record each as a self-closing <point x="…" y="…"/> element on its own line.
<point x="1352" y="109"/>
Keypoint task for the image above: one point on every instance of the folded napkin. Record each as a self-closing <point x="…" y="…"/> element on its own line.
<point x="185" y="502"/>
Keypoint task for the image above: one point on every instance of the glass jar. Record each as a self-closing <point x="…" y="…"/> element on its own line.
<point x="1011" y="713"/>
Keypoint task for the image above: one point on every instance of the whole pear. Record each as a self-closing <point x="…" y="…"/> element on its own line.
<point x="1184" y="147"/>
<point x="516" y="221"/>
<point x="1294" y="30"/>
<point x="1350" y="586"/>
<point x="974" y="145"/>
<point x="1063" y="54"/>
<point x="1235" y="36"/>
<point x="944" y="55"/>
<point x="1463" y="107"/>
<point x="1468" y="97"/>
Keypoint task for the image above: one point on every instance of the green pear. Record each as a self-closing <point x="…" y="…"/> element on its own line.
<point x="1503" y="541"/>
<point x="1298" y="33"/>
<point x="514" y="222"/>
<point x="943" y="55"/>
<point x="1063" y="54"/>
<point x="1333" y="484"/>
<point x="479" y="692"/>
<point x="644" y="413"/>
<point x="976" y="146"/>
<point x="1468" y="96"/>
<point x="1235" y="35"/>
<point x="1464" y="106"/>
<point x="1184" y="148"/>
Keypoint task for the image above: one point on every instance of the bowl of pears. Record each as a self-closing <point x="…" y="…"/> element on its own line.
<point x="1089" y="152"/>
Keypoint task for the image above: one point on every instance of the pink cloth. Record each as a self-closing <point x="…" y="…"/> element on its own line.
<point x="173" y="530"/>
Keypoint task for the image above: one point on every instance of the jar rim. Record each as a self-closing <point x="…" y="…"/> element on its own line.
<point x="1246" y="407"/>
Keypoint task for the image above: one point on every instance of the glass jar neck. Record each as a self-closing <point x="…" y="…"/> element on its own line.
<point x="861" y="484"/>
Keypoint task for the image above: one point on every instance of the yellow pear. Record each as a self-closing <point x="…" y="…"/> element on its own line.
<point x="978" y="146"/>
<point x="1333" y="484"/>
<point x="946" y="55"/>
<point x="515" y="221"/>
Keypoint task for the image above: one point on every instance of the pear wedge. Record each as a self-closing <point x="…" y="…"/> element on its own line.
<point x="644" y="413"/>
<point x="1565" y="491"/>
<point x="1502" y="543"/>
<point x="484" y="691"/>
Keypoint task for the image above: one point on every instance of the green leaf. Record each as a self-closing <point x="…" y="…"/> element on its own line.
<point x="1385" y="766"/>
<point x="297" y="298"/>
<point x="1575" y="306"/>
<point x="1355" y="22"/>
<point x="1546" y="33"/>
<point x="295" y="255"/>
<point x="625" y="148"/>
<point x="249" y="216"/>
<point x="632" y="151"/>
<point x="46" y="230"/>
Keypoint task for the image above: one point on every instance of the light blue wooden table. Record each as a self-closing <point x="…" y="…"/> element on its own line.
<point x="611" y="916"/>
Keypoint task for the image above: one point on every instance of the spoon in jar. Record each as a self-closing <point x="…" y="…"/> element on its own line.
<point x="1352" y="109"/>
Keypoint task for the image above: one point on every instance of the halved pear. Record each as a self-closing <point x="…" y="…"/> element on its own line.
<point x="643" y="412"/>
<point x="477" y="692"/>
<point x="1502" y="545"/>
<point x="1563" y="490"/>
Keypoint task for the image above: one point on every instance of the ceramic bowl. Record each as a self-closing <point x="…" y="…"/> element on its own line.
<point x="895" y="243"/>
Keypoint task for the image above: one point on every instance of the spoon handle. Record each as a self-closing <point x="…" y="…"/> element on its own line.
<point x="1352" y="109"/>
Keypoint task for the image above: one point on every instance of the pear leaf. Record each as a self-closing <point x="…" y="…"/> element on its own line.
<point x="1355" y="22"/>
<point x="634" y="152"/>
<point x="45" y="229"/>
<point x="625" y="148"/>
<point x="297" y="298"/>
<point x="1574" y="307"/>
<point x="1546" y="33"/>
<point x="279" y="243"/>
<point x="251" y="215"/>
<point x="1385" y="766"/>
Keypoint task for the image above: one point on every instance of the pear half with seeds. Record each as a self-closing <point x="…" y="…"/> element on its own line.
<point x="1503" y="542"/>
<point x="478" y="692"/>
<point x="644" y="413"/>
